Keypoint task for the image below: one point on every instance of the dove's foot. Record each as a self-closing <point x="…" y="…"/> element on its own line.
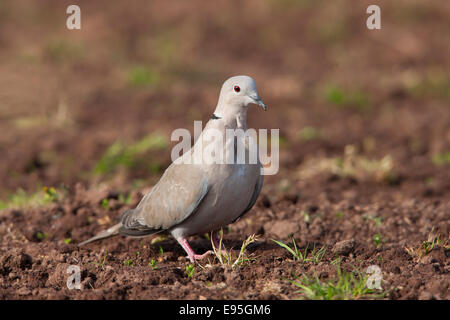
<point x="202" y="256"/>
<point x="191" y="254"/>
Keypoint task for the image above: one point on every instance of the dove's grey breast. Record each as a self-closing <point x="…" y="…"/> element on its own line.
<point x="232" y="191"/>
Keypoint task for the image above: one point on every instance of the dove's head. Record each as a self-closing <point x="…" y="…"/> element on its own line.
<point x="240" y="91"/>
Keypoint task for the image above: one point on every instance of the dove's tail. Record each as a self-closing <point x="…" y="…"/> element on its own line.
<point x="114" y="230"/>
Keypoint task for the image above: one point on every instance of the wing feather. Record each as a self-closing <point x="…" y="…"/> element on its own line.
<point x="175" y="197"/>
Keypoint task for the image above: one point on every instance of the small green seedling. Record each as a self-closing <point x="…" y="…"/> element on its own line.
<point x="50" y="194"/>
<point x="105" y="204"/>
<point x="67" y="240"/>
<point x="124" y="198"/>
<point x="377" y="239"/>
<point x="153" y="264"/>
<point x="41" y="235"/>
<point x="102" y="264"/>
<point x="190" y="269"/>
<point x="429" y="245"/>
<point x="298" y="255"/>
<point x="128" y="263"/>
<point x="316" y="255"/>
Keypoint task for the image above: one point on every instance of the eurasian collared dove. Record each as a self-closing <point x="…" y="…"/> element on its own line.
<point x="195" y="198"/>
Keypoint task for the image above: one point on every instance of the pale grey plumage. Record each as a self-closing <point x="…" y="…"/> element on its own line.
<point x="192" y="198"/>
<point x="172" y="199"/>
<point x="255" y="196"/>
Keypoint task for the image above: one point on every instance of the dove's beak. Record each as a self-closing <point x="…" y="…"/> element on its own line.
<point x="257" y="100"/>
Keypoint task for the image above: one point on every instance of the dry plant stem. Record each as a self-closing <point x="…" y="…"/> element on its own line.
<point x="225" y="256"/>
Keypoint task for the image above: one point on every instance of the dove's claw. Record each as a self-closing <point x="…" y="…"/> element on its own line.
<point x="202" y="256"/>
<point x="199" y="256"/>
<point x="191" y="254"/>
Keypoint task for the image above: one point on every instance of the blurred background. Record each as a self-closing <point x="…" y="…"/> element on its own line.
<point x="98" y="105"/>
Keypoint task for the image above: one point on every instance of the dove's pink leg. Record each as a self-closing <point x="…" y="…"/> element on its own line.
<point x="191" y="254"/>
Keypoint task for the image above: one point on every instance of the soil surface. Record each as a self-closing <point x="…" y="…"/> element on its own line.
<point x="364" y="124"/>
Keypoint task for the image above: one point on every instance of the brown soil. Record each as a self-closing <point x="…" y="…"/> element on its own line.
<point x="295" y="52"/>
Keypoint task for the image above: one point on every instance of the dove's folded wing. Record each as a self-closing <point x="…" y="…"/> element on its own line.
<point x="175" y="197"/>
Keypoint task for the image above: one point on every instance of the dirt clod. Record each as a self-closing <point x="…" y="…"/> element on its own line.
<point x="344" y="247"/>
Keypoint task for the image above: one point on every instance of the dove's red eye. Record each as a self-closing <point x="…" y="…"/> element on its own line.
<point x="237" y="88"/>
